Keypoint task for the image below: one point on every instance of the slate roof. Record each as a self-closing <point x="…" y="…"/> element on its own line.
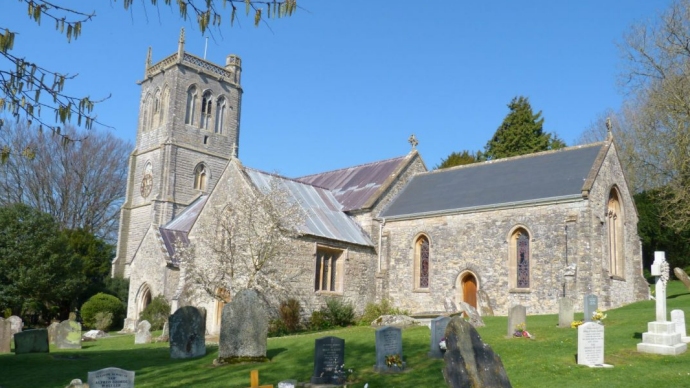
<point x="550" y="175"/>
<point x="324" y="215"/>
<point x="355" y="187"/>
<point x="179" y="227"/>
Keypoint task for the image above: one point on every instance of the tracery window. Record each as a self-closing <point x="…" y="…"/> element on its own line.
<point x="329" y="270"/>
<point x="422" y="257"/>
<point x="520" y="259"/>
<point x="614" y="218"/>
<point x="206" y="104"/>
<point x="191" y="105"/>
<point x="145" y="110"/>
<point x="156" y="109"/>
<point x="200" y="177"/>
<point x="220" y="114"/>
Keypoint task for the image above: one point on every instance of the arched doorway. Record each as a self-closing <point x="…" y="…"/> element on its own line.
<point x="143" y="299"/>
<point x="466" y="287"/>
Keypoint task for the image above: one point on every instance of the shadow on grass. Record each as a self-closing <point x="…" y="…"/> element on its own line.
<point x="637" y="335"/>
<point x="677" y="295"/>
<point x="270" y="353"/>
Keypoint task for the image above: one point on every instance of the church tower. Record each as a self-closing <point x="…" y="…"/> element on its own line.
<point x="188" y="129"/>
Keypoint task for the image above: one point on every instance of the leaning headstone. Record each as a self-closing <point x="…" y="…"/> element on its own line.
<point x="68" y="335"/>
<point x="469" y="362"/>
<point x="52" y="332"/>
<point x="438" y="333"/>
<point x="31" y="341"/>
<point x="111" y="378"/>
<point x="682" y="276"/>
<point x="474" y="318"/>
<point x="566" y="313"/>
<point x="590" y="345"/>
<point x="187" y="331"/>
<point x="243" y="329"/>
<point x="5" y="336"/>
<point x="661" y="336"/>
<point x="17" y="324"/>
<point x="484" y="304"/>
<point x="517" y="316"/>
<point x="329" y="358"/>
<point x="389" y="351"/>
<point x="678" y="319"/>
<point x="165" y="334"/>
<point x="591" y="304"/>
<point x="143" y="333"/>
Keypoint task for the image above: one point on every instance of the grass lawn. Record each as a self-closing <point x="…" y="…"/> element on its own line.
<point x="548" y="360"/>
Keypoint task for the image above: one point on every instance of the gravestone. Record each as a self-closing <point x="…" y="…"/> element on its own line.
<point x="93" y="335"/>
<point x="143" y="333"/>
<point x="449" y="305"/>
<point x="590" y="345"/>
<point x="329" y="358"/>
<point x="111" y="378"/>
<point x="474" y="318"/>
<point x="469" y="362"/>
<point x="243" y="329"/>
<point x="287" y="384"/>
<point x="165" y="334"/>
<point x="400" y="321"/>
<point x="678" y="319"/>
<point x="52" y="332"/>
<point x="517" y="315"/>
<point x="484" y="304"/>
<point x="5" y="336"/>
<point x="661" y="336"/>
<point x="438" y="332"/>
<point x="68" y="335"/>
<point x="566" y="314"/>
<point x="591" y="304"/>
<point x="187" y="331"/>
<point x="31" y="341"/>
<point x="17" y="324"/>
<point x="389" y="344"/>
<point x="682" y="276"/>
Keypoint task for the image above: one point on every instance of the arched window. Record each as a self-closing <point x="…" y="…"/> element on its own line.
<point x="206" y="104"/>
<point x="200" y="177"/>
<point x="191" y="105"/>
<point x="165" y="100"/>
<point x="156" y="109"/>
<point x="220" y="114"/>
<point x="145" y="113"/>
<point x="421" y="262"/>
<point x="614" y="215"/>
<point x="520" y="256"/>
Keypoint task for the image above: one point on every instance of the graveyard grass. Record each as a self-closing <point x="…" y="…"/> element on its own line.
<point x="548" y="360"/>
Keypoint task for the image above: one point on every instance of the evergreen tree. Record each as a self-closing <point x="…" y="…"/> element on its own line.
<point x="459" y="159"/>
<point x="520" y="133"/>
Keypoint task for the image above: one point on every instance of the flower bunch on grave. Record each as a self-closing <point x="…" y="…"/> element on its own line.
<point x="598" y="316"/>
<point x="576" y="324"/>
<point x="344" y="375"/>
<point x="520" y="331"/>
<point x="442" y="344"/>
<point x="394" y="360"/>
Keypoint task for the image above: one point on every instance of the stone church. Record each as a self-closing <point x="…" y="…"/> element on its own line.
<point x="525" y="230"/>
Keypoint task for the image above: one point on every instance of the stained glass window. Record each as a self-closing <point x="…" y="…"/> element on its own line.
<point x="522" y="260"/>
<point x="423" y="261"/>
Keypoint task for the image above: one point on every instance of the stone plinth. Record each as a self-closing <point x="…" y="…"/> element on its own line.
<point x="662" y="338"/>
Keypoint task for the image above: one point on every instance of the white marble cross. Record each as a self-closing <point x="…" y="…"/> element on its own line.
<point x="660" y="269"/>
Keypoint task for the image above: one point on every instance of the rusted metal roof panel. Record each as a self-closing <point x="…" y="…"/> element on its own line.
<point x="323" y="213"/>
<point x="355" y="186"/>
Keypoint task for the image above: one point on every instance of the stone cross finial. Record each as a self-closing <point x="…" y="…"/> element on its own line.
<point x="609" y="127"/>
<point x="148" y="59"/>
<point x="413" y="141"/>
<point x="660" y="269"/>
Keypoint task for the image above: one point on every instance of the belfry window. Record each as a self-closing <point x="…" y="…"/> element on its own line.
<point x="220" y="114"/>
<point x="200" y="177"/>
<point x="191" y="105"/>
<point x="206" y="105"/>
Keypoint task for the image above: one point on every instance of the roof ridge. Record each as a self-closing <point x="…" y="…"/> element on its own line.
<point x="355" y="166"/>
<point x="517" y="157"/>
<point x="276" y="175"/>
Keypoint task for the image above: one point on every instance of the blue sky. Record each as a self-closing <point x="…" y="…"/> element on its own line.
<point x="342" y="83"/>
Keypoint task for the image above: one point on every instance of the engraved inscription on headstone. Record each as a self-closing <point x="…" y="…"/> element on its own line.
<point x="590" y="344"/>
<point x="438" y="332"/>
<point x="388" y="344"/>
<point x="329" y="358"/>
<point x="111" y="378"/>
<point x="591" y="305"/>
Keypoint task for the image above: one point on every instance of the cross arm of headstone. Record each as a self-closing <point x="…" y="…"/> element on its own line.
<point x="254" y="380"/>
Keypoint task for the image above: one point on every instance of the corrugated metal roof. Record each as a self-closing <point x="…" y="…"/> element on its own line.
<point x="323" y="213"/>
<point x="541" y="176"/>
<point x="354" y="186"/>
<point x="179" y="227"/>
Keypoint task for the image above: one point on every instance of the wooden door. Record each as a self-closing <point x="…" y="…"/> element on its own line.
<point x="469" y="290"/>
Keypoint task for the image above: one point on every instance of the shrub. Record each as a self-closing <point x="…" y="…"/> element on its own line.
<point x="318" y="321"/>
<point x="102" y="303"/>
<point x="276" y="328"/>
<point x="375" y="310"/>
<point x="289" y="315"/>
<point x="156" y="312"/>
<point x="338" y="313"/>
<point x="104" y="320"/>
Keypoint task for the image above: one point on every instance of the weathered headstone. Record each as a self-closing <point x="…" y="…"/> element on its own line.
<point x="329" y="358"/>
<point x="591" y="304"/>
<point x="469" y="362"/>
<point x="93" y="335"/>
<point x="187" y="331"/>
<point x="566" y="313"/>
<point x="661" y="336"/>
<point x="17" y="324"/>
<point x="590" y="345"/>
<point x="394" y="320"/>
<point x="474" y="318"/>
<point x="111" y="378"/>
<point x="5" y="336"/>
<point x="389" y="351"/>
<point x="682" y="276"/>
<point x="68" y="335"/>
<point x="143" y="333"/>
<point x="678" y="319"/>
<point x="517" y="316"/>
<point x="52" y="332"/>
<point x="76" y="383"/>
<point x="438" y="332"/>
<point x="244" y="329"/>
<point x="31" y="341"/>
<point x="484" y="304"/>
<point x="165" y="334"/>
